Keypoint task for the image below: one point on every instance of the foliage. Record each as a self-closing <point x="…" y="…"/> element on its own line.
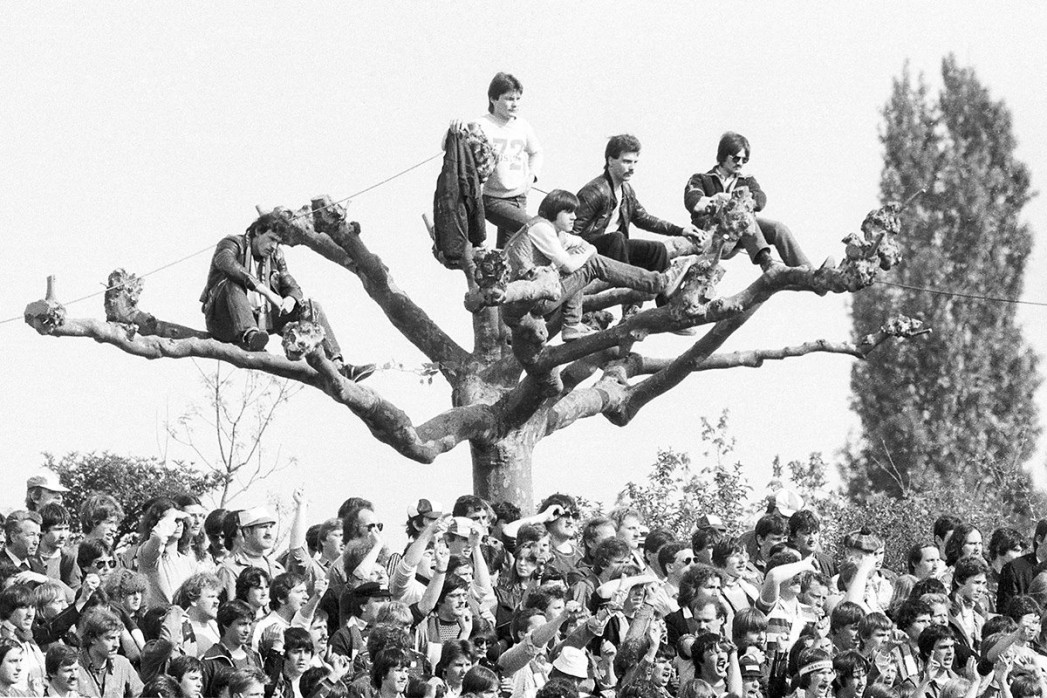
<point x="675" y="496"/>
<point x="1003" y="498"/>
<point x="934" y="411"/>
<point x="241" y="406"/>
<point x="132" y="480"/>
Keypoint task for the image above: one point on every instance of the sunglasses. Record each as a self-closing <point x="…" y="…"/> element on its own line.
<point x="375" y="526"/>
<point x="103" y="564"/>
<point x="571" y="515"/>
<point x="740" y="159"/>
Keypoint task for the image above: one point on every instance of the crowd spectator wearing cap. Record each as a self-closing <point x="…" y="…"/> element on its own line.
<point x="43" y="488"/>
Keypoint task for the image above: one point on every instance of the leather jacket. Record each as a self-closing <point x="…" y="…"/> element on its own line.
<point x="597" y="202"/>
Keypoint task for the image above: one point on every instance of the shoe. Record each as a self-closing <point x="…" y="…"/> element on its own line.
<point x="630" y="309"/>
<point x="569" y="333"/>
<point x="686" y="331"/>
<point x="254" y="340"/>
<point x="356" y="373"/>
<point x="674" y="275"/>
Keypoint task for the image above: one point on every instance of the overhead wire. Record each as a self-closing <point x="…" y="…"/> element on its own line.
<point x="311" y="211"/>
<point x="300" y="214"/>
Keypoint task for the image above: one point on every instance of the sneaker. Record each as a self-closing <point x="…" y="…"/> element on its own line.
<point x="356" y="373"/>
<point x="674" y="274"/>
<point x="254" y="340"/>
<point x="569" y="333"/>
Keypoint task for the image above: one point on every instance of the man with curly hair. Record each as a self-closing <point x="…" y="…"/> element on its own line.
<point x="250" y="293"/>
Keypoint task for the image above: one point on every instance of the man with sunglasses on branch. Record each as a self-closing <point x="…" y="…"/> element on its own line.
<point x="707" y="189"/>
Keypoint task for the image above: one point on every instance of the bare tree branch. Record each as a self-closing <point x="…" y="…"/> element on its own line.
<point x="755" y="358"/>
<point x="340" y="242"/>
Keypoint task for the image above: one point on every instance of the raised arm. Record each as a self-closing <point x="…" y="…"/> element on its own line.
<point x="517" y="656"/>
<point x="770" y="592"/>
<point x="441" y="556"/>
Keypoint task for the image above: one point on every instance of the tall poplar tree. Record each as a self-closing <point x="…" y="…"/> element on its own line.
<point x="955" y="406"/>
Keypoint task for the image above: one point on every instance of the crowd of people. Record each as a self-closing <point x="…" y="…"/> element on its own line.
<point x="483" y="601"/>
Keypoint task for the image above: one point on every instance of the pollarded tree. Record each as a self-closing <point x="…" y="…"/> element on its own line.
<point x="960" y="405"/>
<point x="507" y="396"/>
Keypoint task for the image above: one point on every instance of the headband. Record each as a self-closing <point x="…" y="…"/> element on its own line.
<point x="820" y="665"/>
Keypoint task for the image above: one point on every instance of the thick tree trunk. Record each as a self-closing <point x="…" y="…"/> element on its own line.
<point x="502" y="471"/>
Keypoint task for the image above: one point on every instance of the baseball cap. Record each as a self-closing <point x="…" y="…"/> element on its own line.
<point x="370" y="590"/>
<point x="425" y="507"/>
<point x="712" y="521"/>
<point x="461" y="526"/>
<point x="256" y="517"/>
<point x="46" y="479"/>
<point x="787" y="502"/>
<point x="749" y="666"/>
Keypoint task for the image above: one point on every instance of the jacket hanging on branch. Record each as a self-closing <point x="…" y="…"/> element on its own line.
<point x="458" y="210"/>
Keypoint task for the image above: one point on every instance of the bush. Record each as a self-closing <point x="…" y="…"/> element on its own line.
<point x="131" y="480"/>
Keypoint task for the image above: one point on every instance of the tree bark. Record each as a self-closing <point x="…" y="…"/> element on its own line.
<point x="502" y="471"/>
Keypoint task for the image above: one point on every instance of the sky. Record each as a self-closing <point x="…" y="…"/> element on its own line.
<point x="134" y="135"/>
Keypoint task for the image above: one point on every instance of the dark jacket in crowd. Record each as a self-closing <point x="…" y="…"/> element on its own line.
<point x="1016" y="577"/>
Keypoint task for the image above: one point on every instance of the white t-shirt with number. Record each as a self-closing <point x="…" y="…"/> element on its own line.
<point x="518" y="153"/>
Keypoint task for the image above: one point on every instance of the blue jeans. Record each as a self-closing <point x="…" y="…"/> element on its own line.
<point x="771" y="232"/>
<point x="229" y="315"/>
<point x="509" y="215"/>
<point x="599" y="267"/>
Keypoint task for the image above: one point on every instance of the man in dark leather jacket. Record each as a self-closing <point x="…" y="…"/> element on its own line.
<point x="249" y="293"/>
<point x="608" y="207"/>
<point x="703" y="188"/>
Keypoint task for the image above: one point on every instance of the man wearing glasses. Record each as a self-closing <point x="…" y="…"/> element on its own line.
<point x="719" y="183"/>
<point x="559" y="514"/>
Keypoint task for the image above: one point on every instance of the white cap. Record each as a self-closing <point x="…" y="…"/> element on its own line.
<point x="46" y="479"/>
<point x="787" y="502"/>
<point x="572" y="661"/>
<point x="256" y="517"/>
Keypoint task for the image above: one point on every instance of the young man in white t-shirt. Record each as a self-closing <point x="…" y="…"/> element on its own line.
<point x="519" y="157"/>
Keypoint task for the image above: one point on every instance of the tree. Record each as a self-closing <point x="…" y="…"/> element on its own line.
<point x="131" y="480"/>
<point x="962" y="398"/>
<point x="507" y="396"/>
<point x="241" y="406"/>
<point x="675" y="496"/>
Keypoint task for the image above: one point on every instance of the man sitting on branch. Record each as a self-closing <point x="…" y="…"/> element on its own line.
<point x="250" y="294"/>
<point x="548" y="240"/>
